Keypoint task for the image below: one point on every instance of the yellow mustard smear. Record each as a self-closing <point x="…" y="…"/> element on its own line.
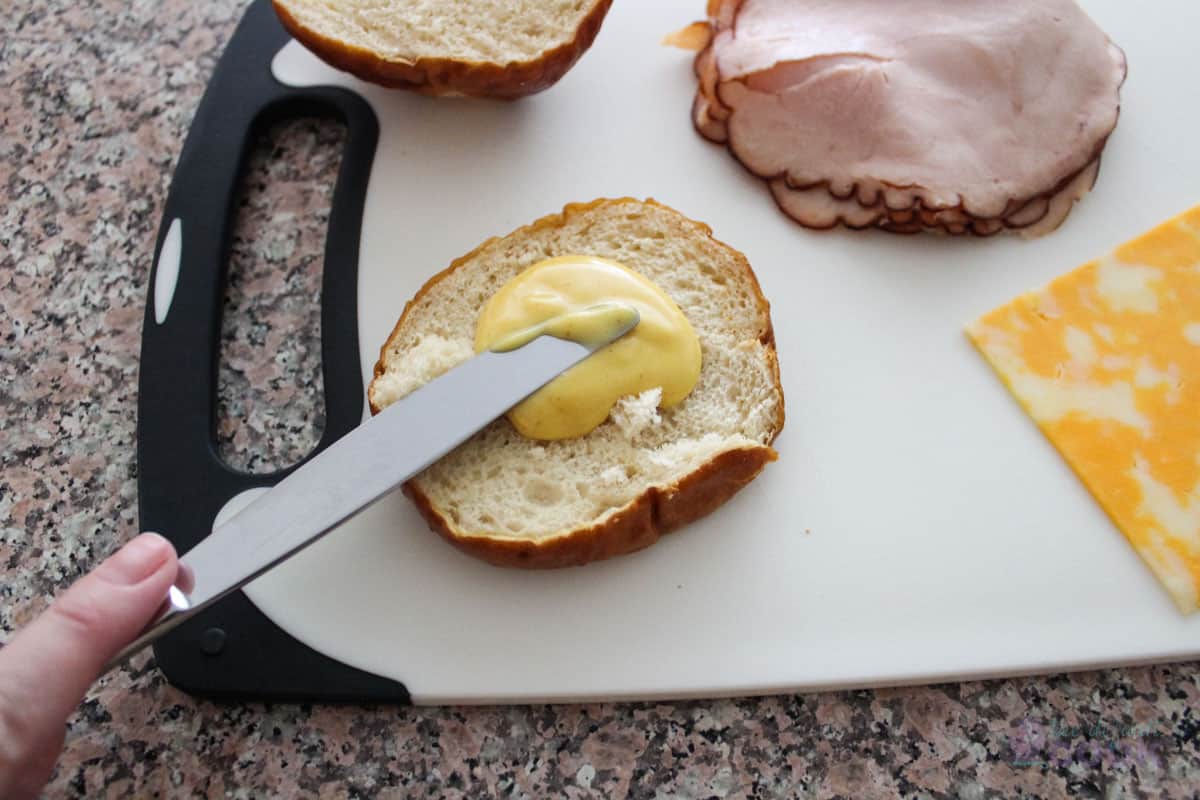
<point x="662" y="351"/>
<point x="590" y="327"/>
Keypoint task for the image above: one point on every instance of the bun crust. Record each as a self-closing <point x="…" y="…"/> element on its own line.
<point x="450" y="76"/>
<point x="659" y="508"/>
<point x="634" y="527"/>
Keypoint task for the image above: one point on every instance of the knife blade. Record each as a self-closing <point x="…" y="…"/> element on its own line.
<point x="360" y="468"/>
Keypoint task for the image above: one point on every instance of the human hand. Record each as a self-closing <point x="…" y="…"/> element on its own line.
<point x="47" y="668"/>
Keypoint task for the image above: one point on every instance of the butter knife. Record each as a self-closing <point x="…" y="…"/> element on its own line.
<point x="361" y="467"/>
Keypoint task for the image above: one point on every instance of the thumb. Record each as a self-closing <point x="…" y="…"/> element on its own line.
<point x="48" y="667"/>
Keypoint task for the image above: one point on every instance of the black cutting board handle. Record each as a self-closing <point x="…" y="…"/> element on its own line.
<point x="233" y="650"/>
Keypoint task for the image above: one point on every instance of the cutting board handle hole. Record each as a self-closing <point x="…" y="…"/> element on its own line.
<point x="270" y="408"/>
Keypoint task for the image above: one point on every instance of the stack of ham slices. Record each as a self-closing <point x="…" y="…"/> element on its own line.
<point x="971" y="116"/>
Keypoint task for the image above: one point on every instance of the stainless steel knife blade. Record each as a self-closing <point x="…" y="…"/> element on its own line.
<point x="360" y="468"/>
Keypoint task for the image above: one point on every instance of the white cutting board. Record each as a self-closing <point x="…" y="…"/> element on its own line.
<point x="917" y="526"/>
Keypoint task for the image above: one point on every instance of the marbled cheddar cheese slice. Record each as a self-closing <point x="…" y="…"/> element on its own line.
<point x="1106" y="359"/>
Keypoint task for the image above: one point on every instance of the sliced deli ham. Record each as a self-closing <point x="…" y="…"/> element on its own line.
<point x="816" y="207"/>
<point x="973" y="116"/>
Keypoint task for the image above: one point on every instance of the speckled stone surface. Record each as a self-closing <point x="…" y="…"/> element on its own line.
<point x="94" y="102"/>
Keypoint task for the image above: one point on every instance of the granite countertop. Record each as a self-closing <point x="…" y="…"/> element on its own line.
<point x="99" y="98"/>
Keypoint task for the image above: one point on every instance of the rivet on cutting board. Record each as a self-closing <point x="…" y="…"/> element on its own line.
<point x="212" y="641"/>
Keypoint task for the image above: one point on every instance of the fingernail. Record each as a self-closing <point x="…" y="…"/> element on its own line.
<point x="137" y="560"/>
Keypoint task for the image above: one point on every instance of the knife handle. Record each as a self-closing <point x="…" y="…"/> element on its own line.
<point x="174" y="611"/>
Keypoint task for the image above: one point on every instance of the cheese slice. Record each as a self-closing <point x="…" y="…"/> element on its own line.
<point x="1106" y="359"/>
